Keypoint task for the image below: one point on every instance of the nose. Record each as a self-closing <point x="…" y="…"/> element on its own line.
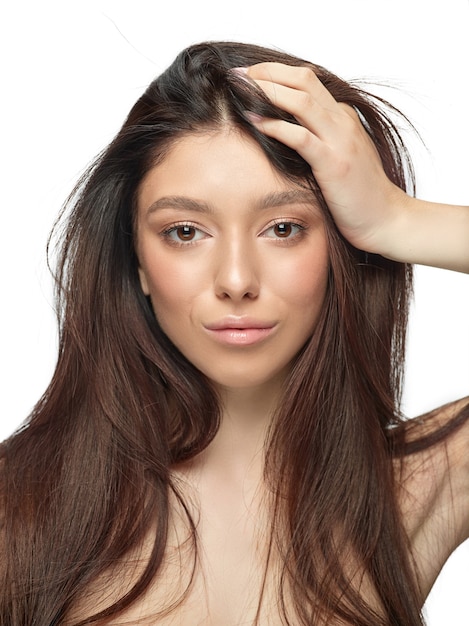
<point x="236" y="274"/>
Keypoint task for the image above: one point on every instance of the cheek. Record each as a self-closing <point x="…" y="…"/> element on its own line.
<point x="171" y="286"/>
<point x="303" y="281"/>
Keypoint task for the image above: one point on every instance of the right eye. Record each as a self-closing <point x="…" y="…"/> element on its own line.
<point x="181" y="234"/>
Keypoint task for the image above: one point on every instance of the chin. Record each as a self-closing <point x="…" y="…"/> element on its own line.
<point x="249" y="381"/>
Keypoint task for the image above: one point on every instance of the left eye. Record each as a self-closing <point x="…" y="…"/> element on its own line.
<point x="283" y="230"/>
<point x="184" y="232"/>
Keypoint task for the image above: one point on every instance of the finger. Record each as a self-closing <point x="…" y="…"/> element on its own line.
<point x="304" y="107"/>
<point x="338" y="117"/>
<point x="299" y="78"/>
<point x="296" y="137"/>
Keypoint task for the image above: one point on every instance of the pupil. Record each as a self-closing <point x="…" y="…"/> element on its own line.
<point x="283" y="229"/>
<point x="186" y="232"/>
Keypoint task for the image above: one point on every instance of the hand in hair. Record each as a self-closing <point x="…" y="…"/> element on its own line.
<point x="372" y="213"/>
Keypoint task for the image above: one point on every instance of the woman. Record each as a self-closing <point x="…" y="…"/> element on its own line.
<point x="221" y="442"/>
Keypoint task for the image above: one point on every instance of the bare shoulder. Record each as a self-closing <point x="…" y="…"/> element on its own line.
<point x="433" y="483"/>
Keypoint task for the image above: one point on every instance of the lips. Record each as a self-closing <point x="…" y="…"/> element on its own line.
<point x="239" y="323"/>
<point x="240" y="331"/>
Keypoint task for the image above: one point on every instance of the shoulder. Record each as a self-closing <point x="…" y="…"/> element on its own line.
<point x="433" y="487"/>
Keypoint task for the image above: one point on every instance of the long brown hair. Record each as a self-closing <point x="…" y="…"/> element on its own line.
<point x="88" y="474"/>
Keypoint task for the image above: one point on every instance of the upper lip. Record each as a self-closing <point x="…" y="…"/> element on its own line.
<point x="239" y="322"/>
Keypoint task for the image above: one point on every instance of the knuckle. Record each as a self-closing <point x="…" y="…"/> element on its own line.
<point x="351" y="117"/>
<point x="305" y="100"/>
<point x="306" y="75"/>
<point x="303" y="139"/>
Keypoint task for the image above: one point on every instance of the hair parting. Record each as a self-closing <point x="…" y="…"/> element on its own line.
<point x="88" y="478"/>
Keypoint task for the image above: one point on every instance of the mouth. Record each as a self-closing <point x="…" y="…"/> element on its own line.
<point x="232" y="322"/>
<point x="240" y="331"/>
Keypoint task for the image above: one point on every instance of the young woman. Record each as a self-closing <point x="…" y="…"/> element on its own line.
<point x="221" y="442"/>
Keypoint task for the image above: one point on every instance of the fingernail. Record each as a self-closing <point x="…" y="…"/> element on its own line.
<point x="254" y="118"/>
<point x="240" y="71"/>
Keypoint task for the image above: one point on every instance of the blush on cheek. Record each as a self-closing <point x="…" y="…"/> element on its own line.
<point x="308" y="281"/>
<point x="165" y="282"/>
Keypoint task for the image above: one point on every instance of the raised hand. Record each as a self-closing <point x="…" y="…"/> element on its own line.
<point x="333" y="141"/>
<point x="371" y="212"/>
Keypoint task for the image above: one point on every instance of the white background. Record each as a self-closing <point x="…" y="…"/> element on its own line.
<point x="70" y="72"/>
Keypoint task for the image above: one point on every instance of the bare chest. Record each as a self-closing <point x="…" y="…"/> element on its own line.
<point x="230" y="574"/>
<point x="221" y="580"/>
<point x="230" y="577"/>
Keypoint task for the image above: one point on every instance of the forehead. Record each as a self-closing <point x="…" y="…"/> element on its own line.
<point x="223" y="166"/>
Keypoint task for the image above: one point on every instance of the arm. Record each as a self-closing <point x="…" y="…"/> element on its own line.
<point x="377" y="216"/>
<point x="434" y="490"/>
<point x="369" y="210"/>
<point x="428" y="233"/>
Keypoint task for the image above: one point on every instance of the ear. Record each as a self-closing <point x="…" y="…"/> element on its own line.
<point x="143" y="281"/>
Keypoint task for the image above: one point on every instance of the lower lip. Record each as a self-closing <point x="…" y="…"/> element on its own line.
<point x="241" y="336"/>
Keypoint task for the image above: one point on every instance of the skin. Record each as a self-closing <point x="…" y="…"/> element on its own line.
<point x="376" y="216"/>
<point x="228" y="269"/>
<point x="230" y="238"/>
<point x="250" y="250"/>
<point x="369" y="210"/>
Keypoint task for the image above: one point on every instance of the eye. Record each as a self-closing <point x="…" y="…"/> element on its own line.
<point x="283" y="230"/>
<point x="183" y="233"/>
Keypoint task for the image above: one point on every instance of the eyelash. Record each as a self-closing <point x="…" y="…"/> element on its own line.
<point x="168" y="233"/>
<point x="289" y="239"/>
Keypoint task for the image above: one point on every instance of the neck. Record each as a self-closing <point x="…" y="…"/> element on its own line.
<point x="238" y="448"/>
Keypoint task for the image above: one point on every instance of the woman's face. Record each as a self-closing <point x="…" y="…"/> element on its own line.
<point x="233" y="257"/>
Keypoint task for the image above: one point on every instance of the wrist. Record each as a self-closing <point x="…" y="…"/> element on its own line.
<point x="425" y="233"/>
<point x="389" y="236"/>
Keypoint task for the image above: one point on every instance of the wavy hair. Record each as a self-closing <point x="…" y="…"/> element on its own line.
<point x="88" y="474"/>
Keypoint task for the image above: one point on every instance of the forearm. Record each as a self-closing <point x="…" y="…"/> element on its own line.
<point x="370" y="211"/>
<point x="426" y="233"/>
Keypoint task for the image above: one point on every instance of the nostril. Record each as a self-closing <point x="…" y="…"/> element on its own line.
<point x="236" y="282"/>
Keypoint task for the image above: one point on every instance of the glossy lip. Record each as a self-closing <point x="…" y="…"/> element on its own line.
<point x="239" y="323"/>
<point x="240" y="331"/>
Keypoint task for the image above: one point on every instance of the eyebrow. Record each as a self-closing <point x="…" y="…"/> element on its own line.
<point x="183" y="203"/>
<point x="292" y="196"/>
<point x="271" y="200"/>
